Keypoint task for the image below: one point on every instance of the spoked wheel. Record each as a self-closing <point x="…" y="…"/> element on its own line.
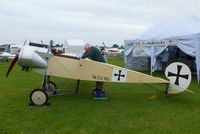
<point x="50" y="88"/>
<point x="38" y="97"/>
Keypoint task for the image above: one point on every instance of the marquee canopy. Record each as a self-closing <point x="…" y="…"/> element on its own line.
<point x="184" y="33"/>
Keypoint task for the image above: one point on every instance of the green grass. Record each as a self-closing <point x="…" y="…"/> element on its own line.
<point x="127" y="110"/>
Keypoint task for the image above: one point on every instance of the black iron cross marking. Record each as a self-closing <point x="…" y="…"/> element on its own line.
<point x="178" y="75"/>
<point x="119" y="75"/>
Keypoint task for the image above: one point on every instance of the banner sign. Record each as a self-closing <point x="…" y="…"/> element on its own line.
<point x="156" y="43"/>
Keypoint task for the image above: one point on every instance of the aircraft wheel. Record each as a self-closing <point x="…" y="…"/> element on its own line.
<point x="50" y="88"/>
<point x="38" y="97"/>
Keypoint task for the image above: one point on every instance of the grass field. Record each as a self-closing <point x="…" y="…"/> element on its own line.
<point x="128" y="109"/>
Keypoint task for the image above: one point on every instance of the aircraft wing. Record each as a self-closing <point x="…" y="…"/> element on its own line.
<point x="85" y="69"/>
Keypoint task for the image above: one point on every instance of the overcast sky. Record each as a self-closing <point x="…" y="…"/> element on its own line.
<point x="94" y="21"/>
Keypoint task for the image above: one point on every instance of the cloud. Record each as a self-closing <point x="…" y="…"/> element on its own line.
<point x="91" y="20"/>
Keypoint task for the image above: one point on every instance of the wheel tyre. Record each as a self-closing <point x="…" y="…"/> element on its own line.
<point x="38" y="97"/>
<point x="50" y="88"/>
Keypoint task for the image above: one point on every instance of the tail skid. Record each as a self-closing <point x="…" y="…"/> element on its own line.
<point x="191" y="91"/>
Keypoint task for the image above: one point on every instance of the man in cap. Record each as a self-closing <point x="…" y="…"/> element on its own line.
<point x="93" y="53"/>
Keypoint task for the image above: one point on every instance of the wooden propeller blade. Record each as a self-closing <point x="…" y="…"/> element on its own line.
<point x="12" y="64"/>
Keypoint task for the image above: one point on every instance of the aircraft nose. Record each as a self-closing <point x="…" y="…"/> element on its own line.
<point x="29" y="58"/>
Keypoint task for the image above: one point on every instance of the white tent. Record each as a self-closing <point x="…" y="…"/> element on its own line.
<point x="74" y="47"/>
<point x="185" y="32"/>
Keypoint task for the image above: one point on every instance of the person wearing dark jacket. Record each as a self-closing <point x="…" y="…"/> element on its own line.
<point x="93" y="53"/>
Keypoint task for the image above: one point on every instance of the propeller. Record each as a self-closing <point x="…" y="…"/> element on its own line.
<point x="12" y="64"/>
<point x="14" y="61"/>
<point x="25" y="42"/>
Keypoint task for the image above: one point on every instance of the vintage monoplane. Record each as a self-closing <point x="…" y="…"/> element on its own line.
<point x="47" y="62"/>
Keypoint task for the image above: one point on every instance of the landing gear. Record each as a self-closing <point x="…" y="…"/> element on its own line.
<point x="50" y="88"/>
<point x="38" y="97"/>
